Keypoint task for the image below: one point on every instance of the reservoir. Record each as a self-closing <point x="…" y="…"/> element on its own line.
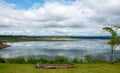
<point x="75" y="48"/>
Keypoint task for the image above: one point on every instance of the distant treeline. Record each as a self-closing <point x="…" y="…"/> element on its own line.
<point x="25" y="36"/>
<point x="16" y="38"/>
<point x="34" y="36"/>
<point x="19" y="38"/>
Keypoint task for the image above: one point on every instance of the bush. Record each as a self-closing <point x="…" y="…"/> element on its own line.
<point x="81" y="61"/>
<point x="51" y="61"/>
<point x="1" y="43"/>
<point x="18" y="60"/>
<point x="2" y="60"/>
<point x="61" y="59"/>
<point x="117" y="60"/>
<point x="75" y="60"/>
<point x="58" y="60"/>
<point x="32" y="60"/>
<point x="43" y="60"/>
<point x="88" y="58"/>
<point x="9" y="60"/>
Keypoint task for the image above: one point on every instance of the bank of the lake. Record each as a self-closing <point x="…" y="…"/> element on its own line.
<point x="35" y="38"/>
<point x="79" y="68"/>
<point x="17" y="38"/>
<point x="2" y="46"/>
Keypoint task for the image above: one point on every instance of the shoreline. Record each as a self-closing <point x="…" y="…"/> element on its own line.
<point x="50" y="39"/>
<point x="2" y="46"/>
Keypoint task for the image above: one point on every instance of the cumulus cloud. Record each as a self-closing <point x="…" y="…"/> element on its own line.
<point x="54" y="17"/>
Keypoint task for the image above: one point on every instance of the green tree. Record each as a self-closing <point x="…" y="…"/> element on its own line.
<point x="114" y="40"/>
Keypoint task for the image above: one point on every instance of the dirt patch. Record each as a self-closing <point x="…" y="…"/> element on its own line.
<point x="54" y="66"/>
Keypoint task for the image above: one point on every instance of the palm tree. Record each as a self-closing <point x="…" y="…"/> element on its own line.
<point x="113" y="41"/>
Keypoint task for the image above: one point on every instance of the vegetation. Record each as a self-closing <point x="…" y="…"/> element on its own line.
<point x="57" y="60"/>
<point x="33" y="60"/>
<point x="1" y="43"/>
<point x="15" y="38"/>
<point x="88" y="58"/>
<point x="61" y="59"/>
<point x="115" y="40"/>
<point x="79" y="68"/>
<point x="11" y="38"/>
<point x="2" y="60"/>
<point x="18" y="60"/>
<point x="75" y="60"/>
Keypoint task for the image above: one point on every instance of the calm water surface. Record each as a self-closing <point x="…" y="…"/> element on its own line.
<point x="71" y="49"/>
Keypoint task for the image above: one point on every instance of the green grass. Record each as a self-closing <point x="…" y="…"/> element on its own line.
<point x="80" y="68"/>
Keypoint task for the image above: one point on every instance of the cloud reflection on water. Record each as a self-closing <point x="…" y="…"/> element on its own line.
<point x="51" y="49"/>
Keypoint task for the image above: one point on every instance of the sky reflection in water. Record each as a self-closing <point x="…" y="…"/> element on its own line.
<point x="71" y="49"/>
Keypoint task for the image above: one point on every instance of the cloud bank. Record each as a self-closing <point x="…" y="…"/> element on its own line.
<point x="55" y="17"/>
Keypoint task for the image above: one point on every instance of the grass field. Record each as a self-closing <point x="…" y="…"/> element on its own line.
<point x="80" y="68"/>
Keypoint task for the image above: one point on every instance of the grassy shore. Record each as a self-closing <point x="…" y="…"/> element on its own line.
<point x="80" y="68"/>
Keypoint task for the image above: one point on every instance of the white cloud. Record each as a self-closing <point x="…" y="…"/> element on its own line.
<point x="81" y="17"/>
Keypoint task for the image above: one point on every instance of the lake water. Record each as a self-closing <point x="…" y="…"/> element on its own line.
<point x="71" y="49"/>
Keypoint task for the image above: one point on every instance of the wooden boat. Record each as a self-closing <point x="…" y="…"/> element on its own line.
<point x="54" y="66"/>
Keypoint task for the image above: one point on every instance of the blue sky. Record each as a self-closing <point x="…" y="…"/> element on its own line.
<point x="58" y="17"/>
<point x="25" y="4"/>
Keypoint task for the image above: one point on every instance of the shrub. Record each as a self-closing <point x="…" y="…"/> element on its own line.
<point x="51" y="61"/>
<point x="75" y="60"/>
<point x="10" y="60"/>
<point x="1" y="43"/>
<point x="20" y="60"/>
<point x="88" y="58"/>
<point x="117" y="60"/>
<point x="81" y="61"/>
<point x="32" y="60"/>
<point x="61" y="59"/>
<point x="2" y="60"/>
<point x="43" y="60"/>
